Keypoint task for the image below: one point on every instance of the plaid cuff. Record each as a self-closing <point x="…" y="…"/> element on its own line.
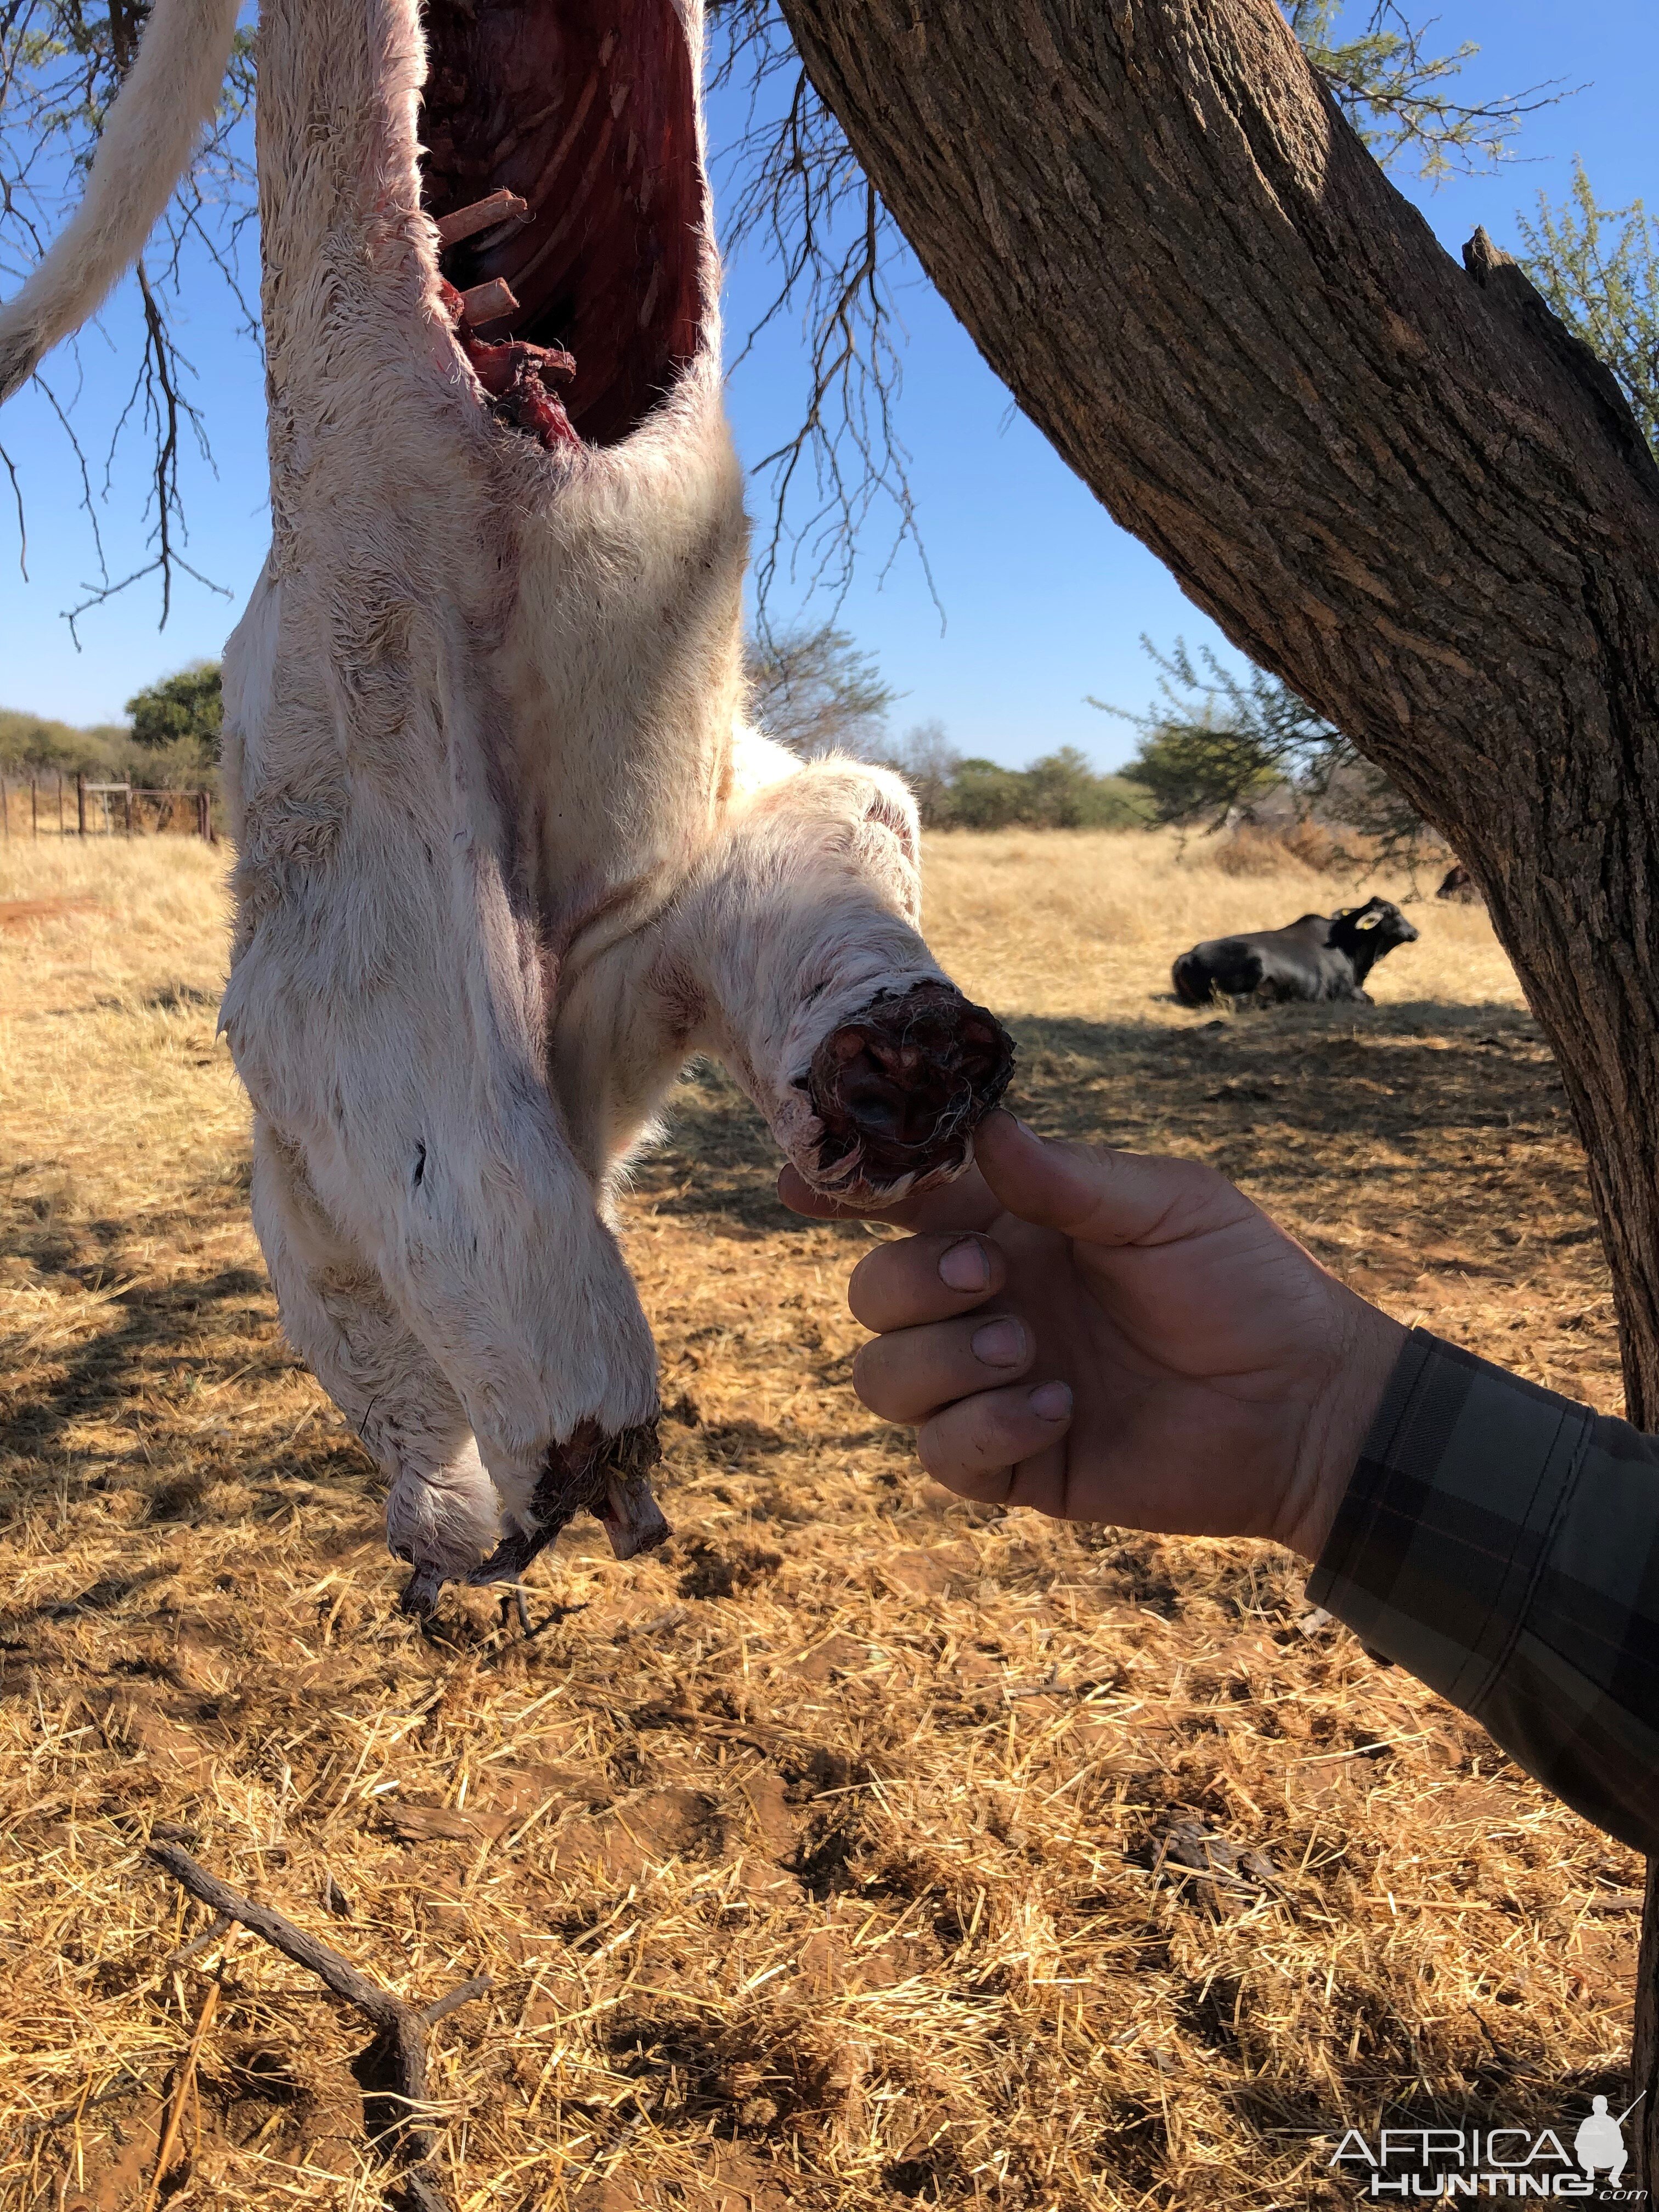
<point x="1503" y="1544"/>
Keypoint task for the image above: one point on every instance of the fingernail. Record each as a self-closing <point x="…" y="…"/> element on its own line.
<point x="1000" y="1344"/>
<point x="1051" y="1401"/>
<point x="963" y="1265"/>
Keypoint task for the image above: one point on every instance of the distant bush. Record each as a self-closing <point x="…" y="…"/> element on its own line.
<point x="1222" y="751"/>
<point x="816" y="691"/>
<point x="983" y="795"/>
<point x="33" y="741"/>
<point x="1199" y="772"/>
<point x="1058" y="792"/>
<point x="189" y="706"/>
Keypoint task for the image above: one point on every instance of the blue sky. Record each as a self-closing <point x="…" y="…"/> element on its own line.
<point x="1044" y="598"/>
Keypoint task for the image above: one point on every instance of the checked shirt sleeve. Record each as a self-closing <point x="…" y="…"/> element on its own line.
<point x="1503" y="1544"/>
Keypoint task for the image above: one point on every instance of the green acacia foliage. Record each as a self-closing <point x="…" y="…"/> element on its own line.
<point x="1217" y="742"/>
<point x="1599" y="269"/>
<point x="1196" y="773"/>
<point x="1214" y="740"/>
<point x="1398" y="95"/>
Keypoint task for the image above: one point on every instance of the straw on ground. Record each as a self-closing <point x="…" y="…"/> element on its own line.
<point x="825" y="1861"/>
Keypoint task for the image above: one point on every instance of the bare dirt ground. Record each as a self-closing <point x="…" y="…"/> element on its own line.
<point x="825" y="1861"/>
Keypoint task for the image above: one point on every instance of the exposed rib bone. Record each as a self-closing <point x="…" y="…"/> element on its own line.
<point x="575" y="205"/>
<point x="488" y="303"/>
<point x="482" y="215"/>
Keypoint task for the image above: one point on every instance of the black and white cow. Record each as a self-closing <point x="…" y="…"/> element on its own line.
<point x="1322" y="956"/>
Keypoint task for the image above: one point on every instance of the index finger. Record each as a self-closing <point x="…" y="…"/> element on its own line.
<point x="923" y="1279"/>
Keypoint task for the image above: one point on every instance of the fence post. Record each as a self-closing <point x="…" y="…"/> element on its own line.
<point x="5" y="810"/>
<point x="81" y="801"/>
<point x="60" y="802"/>
<point x="126" y="800"/>
<point x="34" y="811"/>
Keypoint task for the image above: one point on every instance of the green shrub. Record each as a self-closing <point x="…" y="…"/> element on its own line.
<point x="1201" y="770"/>
<point x="1058" y="792"/>
<point x="174" y="741"/>
<point x="188" y="705"/>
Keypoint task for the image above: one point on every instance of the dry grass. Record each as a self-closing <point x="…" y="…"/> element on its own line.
<point x="820" y="1861"/>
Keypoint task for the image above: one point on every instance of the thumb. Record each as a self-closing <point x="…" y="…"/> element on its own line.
<point x="1099" y="1196"/>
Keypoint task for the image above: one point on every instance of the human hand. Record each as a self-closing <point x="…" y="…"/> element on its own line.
<point x="1196" y="1370"/>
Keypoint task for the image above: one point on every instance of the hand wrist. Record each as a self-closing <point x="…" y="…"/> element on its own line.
<point x="1338" y="1423"/>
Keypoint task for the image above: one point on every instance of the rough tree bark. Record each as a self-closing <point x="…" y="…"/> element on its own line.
<point x="1399" y="484"/>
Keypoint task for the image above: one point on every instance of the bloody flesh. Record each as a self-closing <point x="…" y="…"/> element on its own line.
<point x="588" y="114"/>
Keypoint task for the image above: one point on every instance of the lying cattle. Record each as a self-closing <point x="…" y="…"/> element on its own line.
<point x="1459" y="884"/>
<point x="1322" y="955"/>
<point x="508" y="853"/>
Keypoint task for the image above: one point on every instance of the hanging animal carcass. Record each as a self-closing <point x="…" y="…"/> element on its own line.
<point x="508" y="851"/>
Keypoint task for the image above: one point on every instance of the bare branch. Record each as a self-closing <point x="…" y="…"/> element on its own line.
<point x="157" y="396"/>
<point x="800" y="199"/>
<point x="10" y="467"/>
<point x="62" y="62"/>
<point x="64" y="415"/>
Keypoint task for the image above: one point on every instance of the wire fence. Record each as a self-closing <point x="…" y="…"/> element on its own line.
<point x="52" y="804"/>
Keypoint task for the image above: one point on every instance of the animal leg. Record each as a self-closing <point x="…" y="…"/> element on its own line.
<point x="797" y="941"/>
<point x="442" y="1507"/>
<point x="445" y="1504"/>
<point x="386" y="1012"/>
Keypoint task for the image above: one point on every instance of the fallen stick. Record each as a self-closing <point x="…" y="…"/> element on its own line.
<point x="403" y="2029"/>
<point x="463" y="1993"/>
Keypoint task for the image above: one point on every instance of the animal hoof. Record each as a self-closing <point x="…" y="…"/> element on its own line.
<point x="899" y="1090"/>
<point x="605" y="1476"/>
<point x="420" y="1592"/>
<point x="633" y="1520"/>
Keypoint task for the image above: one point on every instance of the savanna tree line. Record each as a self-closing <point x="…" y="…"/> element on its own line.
<point x="1215" y="752"/>
<point x="170" y="741"/>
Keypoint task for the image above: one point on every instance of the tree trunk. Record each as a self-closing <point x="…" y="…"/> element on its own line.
<point x="1399" y="484"/>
